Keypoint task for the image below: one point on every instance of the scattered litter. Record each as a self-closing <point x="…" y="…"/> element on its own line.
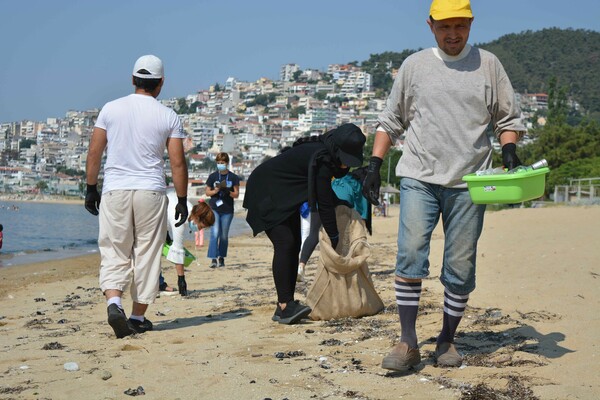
<point x="331" y="342"/>
<point x="53" y="346"/>
<point x="71" y="366"/>
<point x="135" y="392"/>
<point x="289" y="354"/>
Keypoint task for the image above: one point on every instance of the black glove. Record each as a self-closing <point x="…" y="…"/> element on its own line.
<point x="182" y="285"/>
<point x="334" y="240"/>
<point x="92" y="199"/>
<point x="509" y="156"/>
<point x="181" y="211"/>
<point x="372" y="182"/>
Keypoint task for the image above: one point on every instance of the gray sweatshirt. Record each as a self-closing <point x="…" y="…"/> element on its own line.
<point x="443" y="105"/>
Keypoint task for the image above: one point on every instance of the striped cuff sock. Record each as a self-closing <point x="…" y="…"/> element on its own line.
<point x="408" y="295"/>
<point x="454" y="309"/>
<point x="455" y="304"/>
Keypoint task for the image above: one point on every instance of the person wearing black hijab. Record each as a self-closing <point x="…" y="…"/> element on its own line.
<point x="277" y="188"/>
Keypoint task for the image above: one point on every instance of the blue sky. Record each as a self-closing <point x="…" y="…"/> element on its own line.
<point x="64" y="55"/>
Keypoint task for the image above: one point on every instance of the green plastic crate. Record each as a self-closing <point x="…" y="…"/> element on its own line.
<point x="507" y="188"/>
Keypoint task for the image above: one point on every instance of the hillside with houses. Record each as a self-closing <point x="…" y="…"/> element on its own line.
<point x="254" y="120"/>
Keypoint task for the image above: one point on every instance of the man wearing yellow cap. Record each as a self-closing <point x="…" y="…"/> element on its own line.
<point x="442" y="102"/>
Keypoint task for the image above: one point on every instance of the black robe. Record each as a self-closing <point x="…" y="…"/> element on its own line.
<point x="277" y="188"/>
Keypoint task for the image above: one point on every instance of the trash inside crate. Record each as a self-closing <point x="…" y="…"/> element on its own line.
<point x="507" y="188"/>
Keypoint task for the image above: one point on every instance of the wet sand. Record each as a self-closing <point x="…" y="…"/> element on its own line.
<point x="530" y="330"/>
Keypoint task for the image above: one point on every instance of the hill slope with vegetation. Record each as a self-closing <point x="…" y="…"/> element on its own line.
<point x="563" y="63"/>
<point x="531" y="59"/>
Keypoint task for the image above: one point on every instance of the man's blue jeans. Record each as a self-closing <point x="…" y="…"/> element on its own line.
<point x="421" y="205"/>
<point x="219" y="235"/>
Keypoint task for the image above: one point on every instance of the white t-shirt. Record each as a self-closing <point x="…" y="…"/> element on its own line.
<point x="137" y="128"/>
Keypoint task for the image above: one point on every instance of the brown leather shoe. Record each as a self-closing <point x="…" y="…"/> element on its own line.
<point x="401" y="358"/>
<point x="446" y="355"/>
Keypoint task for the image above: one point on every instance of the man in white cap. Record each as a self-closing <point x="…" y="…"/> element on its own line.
<point x="135" y="130"/>
<point x="442" y="101"/>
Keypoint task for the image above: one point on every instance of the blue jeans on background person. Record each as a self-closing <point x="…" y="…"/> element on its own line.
<point x="219" y="235"/>
<point x="421" y="205"/>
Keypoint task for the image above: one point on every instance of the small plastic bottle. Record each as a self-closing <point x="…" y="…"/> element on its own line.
<point x="491" y="171"/>
<point x="523" y="168"/>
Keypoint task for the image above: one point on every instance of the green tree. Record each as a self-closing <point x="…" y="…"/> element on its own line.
<point x="586" y="168"/>
<point x="209" y="164"/>
<point x="41" y="185"/>
<point x="182" y="107"/>
<point x="388" y="167"/>
<point x="263" y="99"/>
<point x="26" y="143"/>
<point x="571" y="151"/>
<point x="530" y="60"/>
<point x="322" y="95"/>
<point x="294" y="112"/>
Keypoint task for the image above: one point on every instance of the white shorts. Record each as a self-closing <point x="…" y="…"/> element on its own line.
<point x="133" y="227"/>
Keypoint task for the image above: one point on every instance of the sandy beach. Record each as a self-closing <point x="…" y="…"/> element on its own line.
<point x="530" y="330"/>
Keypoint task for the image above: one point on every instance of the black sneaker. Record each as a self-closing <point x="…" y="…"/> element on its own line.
<point x="221" y="262"/>
<point x="139" y="327"/>
<point x="294" y="311"/>
<point x="277" y="315"/>
<point x="213" y="263"/>
<point x="118" y="321"/>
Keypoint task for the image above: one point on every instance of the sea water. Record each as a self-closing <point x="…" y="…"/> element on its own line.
<point x="38" y="232"/>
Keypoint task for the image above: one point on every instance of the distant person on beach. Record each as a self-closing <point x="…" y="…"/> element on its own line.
<point x="135" y="130"/>
<point x="1" y="235"/>
<point x="223" y="186"/>
<point x="442" y="101"/>
<point x="176" y="234"/>
<point x="202" y="216"/>
<point x="277" y="188"/>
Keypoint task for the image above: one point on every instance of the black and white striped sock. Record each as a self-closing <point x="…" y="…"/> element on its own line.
<point x="408" y="295"/>
<point x="454" y="309"/>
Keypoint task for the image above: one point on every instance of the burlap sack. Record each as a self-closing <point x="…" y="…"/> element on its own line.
<point x="343" y="285"/>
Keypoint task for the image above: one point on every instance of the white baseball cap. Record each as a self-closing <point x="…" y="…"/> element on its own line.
<point x="150" y="63"/>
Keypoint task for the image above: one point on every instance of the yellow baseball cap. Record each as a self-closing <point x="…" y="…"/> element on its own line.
<point x="444" y="9"/>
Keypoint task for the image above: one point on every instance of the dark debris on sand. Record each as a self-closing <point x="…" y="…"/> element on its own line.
<point x="331" y="342"/>
<point x="515" y="390"/>
<point x="73" y="301"/>
<point x="368" y="327"/>
<point x="12" y="390"/>
<point x="38" y="323"/>
<point x="53" y="346"/>
<point x="289" y="354"/>
<point x="139" y="391"/>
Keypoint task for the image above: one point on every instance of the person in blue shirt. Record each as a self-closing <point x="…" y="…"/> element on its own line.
<point x="223" y="186"/>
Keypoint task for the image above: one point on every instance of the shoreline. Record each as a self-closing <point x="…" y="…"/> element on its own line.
<point x="41" y="199"/>
<point x="11" y="257"/>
